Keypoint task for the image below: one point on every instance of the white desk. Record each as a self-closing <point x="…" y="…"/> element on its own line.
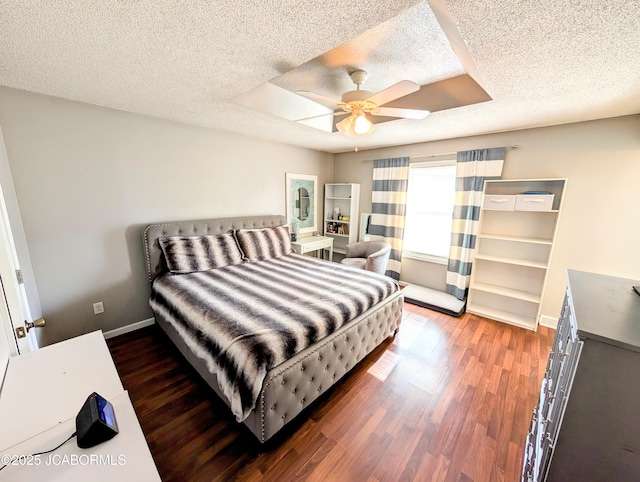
<point x="314" y="243"/>
<point x="42" y="393"/>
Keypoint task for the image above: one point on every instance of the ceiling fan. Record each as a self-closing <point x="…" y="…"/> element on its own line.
<point x="362" y="103"/>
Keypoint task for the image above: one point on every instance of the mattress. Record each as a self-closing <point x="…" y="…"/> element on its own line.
<point x="245" y="319"/>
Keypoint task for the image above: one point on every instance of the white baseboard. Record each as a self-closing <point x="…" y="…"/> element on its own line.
<point x="549" y="321"/>
<point x="129" y="328"/>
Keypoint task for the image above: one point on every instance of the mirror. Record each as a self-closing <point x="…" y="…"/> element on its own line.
<point x="302" y="205"/>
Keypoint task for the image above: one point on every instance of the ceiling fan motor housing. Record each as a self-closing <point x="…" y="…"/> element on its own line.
<point x="358" y="77"/>
<point x="356" y="96"/>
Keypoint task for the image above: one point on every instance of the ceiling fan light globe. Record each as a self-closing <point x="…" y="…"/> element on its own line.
<point x="362" y="125"/>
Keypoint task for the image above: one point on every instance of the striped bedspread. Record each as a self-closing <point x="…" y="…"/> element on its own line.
<point x="245" y="319"/>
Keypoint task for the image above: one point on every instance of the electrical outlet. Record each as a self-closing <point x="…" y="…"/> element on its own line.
<point x="98" y="308"/>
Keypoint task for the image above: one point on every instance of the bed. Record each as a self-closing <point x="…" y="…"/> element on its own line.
<point x="201" y="312"/>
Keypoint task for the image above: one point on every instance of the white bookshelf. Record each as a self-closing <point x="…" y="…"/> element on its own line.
<point x="346" y="198"/>
<point x="513" y="252"/>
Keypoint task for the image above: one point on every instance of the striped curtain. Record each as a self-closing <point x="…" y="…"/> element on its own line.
<point x="473" y="167"/>
<point x="389" y="205"/>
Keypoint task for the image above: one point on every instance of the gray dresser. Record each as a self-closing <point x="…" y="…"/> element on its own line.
<point x="586" y="426"/>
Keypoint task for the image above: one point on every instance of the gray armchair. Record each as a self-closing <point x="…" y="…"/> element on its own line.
<point x="369" y="255"/>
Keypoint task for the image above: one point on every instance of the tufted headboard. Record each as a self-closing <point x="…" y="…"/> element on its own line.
<point x="153" y="254"/>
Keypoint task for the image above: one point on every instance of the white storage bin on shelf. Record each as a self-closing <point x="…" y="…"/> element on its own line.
<point x="499" y="202"/>
<point x="534" y="202"/>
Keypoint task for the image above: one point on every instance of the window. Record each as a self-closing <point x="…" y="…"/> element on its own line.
<point x="430" y="199"/>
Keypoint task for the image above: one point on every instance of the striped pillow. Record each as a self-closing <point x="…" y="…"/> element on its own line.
<point x="260" y="244"/>
<point x="200" y="253"/>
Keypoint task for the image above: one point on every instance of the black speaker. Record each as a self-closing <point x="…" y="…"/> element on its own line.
<point x="96" y="422"/>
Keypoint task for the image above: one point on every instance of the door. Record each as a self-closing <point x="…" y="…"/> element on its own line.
<point x="19" y="339"/>
<point x="14" y="311"/>
<point x="5" y="352"/>
<point x="14" y="307"/>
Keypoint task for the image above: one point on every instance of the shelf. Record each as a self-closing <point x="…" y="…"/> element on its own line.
<point x="555" y="186"/>
<point x="508" y="292"/>
<point x="504" y="316"/>
<point x="515" y="261"/>
<point x="344" y="198"/>
<point x="337" y="221"/>
<point x="553" y="211"/>
<point x="516" y="239"/>
<point x="513" y="253"/>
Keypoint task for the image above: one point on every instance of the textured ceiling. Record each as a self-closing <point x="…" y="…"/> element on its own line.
<point x="409" y="46"/>
<point x="542" y="63"/>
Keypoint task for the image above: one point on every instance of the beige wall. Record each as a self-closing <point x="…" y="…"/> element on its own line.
<point x="87" y="179"/>
<point x="599" y="228"/>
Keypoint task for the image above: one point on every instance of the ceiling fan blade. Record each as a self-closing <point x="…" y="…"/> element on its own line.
<point x="336" y="114"/>
<point x="319" y="98"/>
<point x="398" y="112"/>
<point x="402" y="88"/>
<point x="445" y="94"/>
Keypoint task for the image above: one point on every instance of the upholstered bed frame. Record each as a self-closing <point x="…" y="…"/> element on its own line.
<point x="293" y="385"/>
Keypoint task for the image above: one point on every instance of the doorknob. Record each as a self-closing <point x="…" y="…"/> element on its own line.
<point x="39" y="323"/>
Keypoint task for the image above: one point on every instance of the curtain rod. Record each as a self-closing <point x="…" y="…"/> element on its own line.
<point x="441" y="154"/>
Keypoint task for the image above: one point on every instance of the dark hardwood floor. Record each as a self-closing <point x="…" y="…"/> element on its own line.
<point x="447" y="399"/>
